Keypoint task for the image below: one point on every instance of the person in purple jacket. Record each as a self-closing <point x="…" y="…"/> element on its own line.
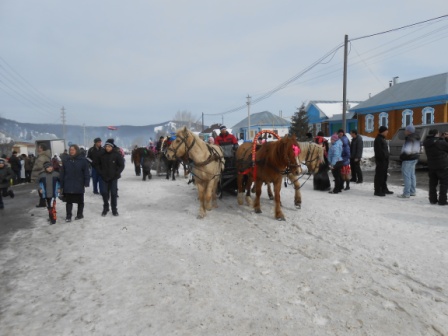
<point x="345" y="170"/>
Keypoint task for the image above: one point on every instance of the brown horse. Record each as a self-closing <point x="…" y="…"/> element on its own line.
<point x="208" y="163"/>
<point x="137" y="155"/>
<point x="273" y="169"/>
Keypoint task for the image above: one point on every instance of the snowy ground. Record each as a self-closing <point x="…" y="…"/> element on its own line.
<point x="345" y="264"/>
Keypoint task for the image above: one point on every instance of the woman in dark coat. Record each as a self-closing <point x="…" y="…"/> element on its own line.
<point x="75" y="176"/>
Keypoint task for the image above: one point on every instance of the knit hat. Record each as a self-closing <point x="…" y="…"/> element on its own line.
<point x="97" y="140"/>
<point x="110" y="142"/>
<point x="433" y="132"/>
<point x="382" y="129"/>
<point x="222" y="127"/>
<point x="3" y="161"/>
<point x="410" y="128"/>
<point x="47" y="164"/>
<point x="334" y="138"/>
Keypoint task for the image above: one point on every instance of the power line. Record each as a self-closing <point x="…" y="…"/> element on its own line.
<point x="26" y="85"/>
<point x="400" y="28"/>
<point x="331" y="53"/>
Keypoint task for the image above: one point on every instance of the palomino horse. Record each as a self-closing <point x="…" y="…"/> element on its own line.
<point x="208" y="164"/>
<point x="273" y="169"/>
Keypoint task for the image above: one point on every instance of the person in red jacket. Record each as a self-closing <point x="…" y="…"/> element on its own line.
<point x="225" y="138"/>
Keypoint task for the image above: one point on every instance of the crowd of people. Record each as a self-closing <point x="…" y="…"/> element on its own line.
<point x="67" y="177"/>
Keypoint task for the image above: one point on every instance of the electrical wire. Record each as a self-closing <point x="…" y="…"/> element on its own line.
<point x="332" y="53"/>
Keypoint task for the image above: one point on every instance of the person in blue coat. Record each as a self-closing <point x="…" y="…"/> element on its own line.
<point x="335" y="161"/>
<point x="75" y="177"/>
<point x="345" y="171"/>
<point x="49" y="187"/>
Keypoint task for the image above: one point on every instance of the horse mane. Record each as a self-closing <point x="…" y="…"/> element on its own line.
<point x="306" y="147"/>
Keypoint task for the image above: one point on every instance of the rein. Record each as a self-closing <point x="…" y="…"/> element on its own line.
<point x="307" y="160"/>
<point x="213" y="155"/>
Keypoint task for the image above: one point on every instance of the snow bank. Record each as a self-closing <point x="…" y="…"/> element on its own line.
<point x="345" y="264"/>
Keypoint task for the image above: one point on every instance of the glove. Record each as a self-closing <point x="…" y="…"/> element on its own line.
<point x="235" y="147"/>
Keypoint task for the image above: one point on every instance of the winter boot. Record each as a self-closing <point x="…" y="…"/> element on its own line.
<point x="79" y="214"/>
<point x="42" y="203"/>
<point x="68" y="209"/>
<point x="11" y="193"/>
<point x="347" y="185"/>
<point x="105" y="211"/>
<point x="442" y="194"/>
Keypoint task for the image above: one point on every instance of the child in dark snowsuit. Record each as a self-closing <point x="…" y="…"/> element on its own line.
<point x="6" y="174"/>
<point x="49" y="187"/>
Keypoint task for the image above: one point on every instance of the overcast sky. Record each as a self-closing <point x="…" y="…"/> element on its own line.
<point x="114" y="62"/>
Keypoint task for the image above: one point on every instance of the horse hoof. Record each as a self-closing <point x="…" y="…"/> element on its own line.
<point x="200" y="217"/>
<point x="257" y="211"/>
<point x="271" y="197"/>
<point x="298" y="206"/>
<point x="281" y="219"/>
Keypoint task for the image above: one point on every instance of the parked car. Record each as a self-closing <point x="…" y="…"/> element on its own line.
<point x="397" y="141"/>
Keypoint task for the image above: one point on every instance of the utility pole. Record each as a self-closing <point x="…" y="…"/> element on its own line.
<point x="344" y="89"/>
<point x="202" y="122"/>
<point x="248" y="117"/>
<point x="63" y="123"/>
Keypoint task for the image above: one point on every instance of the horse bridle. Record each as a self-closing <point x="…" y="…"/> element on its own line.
<point x="307" y="160"/>
<point x="183" y="141"/>
<point x="214" y="155"/>
<point x="308" y="154"/>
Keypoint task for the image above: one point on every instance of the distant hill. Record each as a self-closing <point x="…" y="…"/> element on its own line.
<point x="125" y="136"/>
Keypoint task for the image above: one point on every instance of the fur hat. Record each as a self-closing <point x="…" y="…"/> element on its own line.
<point x="382" y="129"/>
<point x="110" y="142"/>
<point x="222" y="127"/>
<point x="47" y="164"/>
<point x="334" y="138"/>
<point x="410" y="128"/>
<point x="97" y="140"/>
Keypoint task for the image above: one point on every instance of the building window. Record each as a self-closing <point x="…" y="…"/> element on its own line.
<point x="407" y="118"/>
<point x="428" y="116"/>
<point x="318" y="127"/>
<point x="383" y="119"/>
<point x="369" y="123"/>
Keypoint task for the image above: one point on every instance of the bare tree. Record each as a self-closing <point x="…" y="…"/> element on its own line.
<point x="185" y="118"/>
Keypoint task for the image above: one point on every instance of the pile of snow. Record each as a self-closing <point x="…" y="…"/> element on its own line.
<point x="345" y="264"/>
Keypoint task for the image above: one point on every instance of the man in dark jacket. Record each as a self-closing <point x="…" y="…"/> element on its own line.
<point x="93" y="156"/>
<point x="381" y="150"/>
<point x="356" y="148"/>
<point x="16" y="166"/>
<point x="410" y="153"/>
<point x="437" y="152"/>
<point x="110" y="166"/>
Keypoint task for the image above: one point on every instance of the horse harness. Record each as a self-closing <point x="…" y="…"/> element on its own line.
<point x="213" y="155"/>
